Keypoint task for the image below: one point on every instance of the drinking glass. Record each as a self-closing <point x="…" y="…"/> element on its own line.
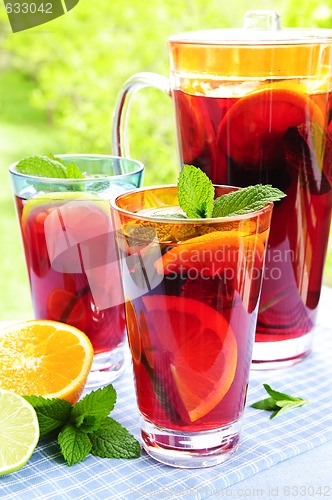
<point x="191" y="291"/>
<point x="254" y="105"/>
<point x="70" y="252"/>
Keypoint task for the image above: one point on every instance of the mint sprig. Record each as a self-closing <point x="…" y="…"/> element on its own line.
<point x="195" y="192"/>
<point x="278" y="402"/>
<point x="89" y="413"/>
<point x="246" y="200"/>
<point x="52" y="413"/>
<point x="75" y="445"/>
<point x="196" y="196"/>
<point x="48" y="166"/>
<point x="112" y="440"/>
<point x="85" y="427"/>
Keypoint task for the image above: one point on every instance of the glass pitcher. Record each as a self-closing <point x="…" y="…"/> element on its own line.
<point x="254" y="105"/>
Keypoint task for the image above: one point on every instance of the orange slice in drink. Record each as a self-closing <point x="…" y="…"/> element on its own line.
<point x="212" y="253"/>
<point x="67" y="307"/>
<point x="134" y="337"/>
<point x="44" y="358"/>
<point x="138" y="335"/>
<point x="201" y="347"/>
<point x="252" y="130"/>
<point x="192" y="130"/>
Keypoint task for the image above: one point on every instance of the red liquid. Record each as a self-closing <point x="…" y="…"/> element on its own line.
<point x="79" y="284"/>
<point x="284" y="139"/>
<point x="191" y="332"/>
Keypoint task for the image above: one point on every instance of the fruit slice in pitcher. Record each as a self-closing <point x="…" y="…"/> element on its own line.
<point x="202" y="350"/>
<point x="192" y="126"/>
<point x="252" y="130"/>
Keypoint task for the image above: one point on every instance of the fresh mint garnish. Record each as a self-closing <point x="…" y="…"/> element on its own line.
<point x="85" y="427"/>
<point x="48" y="166"/>
<point x="75" y="445"/>
<point x="278" y="402"/>
<point x="52" y="413"/>
<point x="73" y="172"/>
<point x="196" y="196"/>
<point x="112" y="440"/>
<point x="89" y="412"/>
<point x="246" y="200"/>
<point x="195" y="192"/>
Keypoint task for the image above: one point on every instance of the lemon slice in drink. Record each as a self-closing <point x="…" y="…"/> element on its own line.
<point x="47" y="201"/>
<point x="19" y="432"/>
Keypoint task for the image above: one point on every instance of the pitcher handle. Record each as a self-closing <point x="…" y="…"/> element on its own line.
<point x="121" y="113"/>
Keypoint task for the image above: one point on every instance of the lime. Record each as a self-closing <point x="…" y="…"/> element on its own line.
<point x="19" y="432"/>
<point x="47" y="201"/>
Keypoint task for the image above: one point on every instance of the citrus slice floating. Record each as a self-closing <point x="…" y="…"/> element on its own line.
<point x="53" y="224"/>
<point x="83" y="216"/>
<point x="212" y="253"/>
<point x="202" y="350"/>
<point x="192" y="125"/>
<point x="67" y="307"/>
<point x="252" y="130"/>
<point x="19" y="432"/>
<point x="134" y="337"/>
<point x="138" y="334"/>
<point x="44" y="358"/>
<point x="48" y="201"/>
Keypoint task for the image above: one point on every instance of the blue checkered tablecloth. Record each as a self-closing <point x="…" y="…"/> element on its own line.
<point x="264" y="442"/>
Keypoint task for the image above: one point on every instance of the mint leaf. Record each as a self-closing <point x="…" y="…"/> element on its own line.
<point x="41" y="166"/>
<point x="73" y="172"/>
<point x="48" y="166"/>
<point x="51" y="413"/>
<point x="161" y="389"/>
<point x="88" y="413"/>
<point x="85" y="426"/>
<point x="112" y="440"/>
<point x="287" y="402"/>
<point x="75" y="445"/>
<point x="279" y="402"/>
<point x="246" y="200"/>
<point x="266" y="404"/>
<point x="195" y="192"/>
<point x="288" y="405"/>
<point x="196" y="196"/>
<point x="278" y="396"/>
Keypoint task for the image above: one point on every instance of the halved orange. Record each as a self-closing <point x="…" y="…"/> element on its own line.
<point x="253" y="128"/>
<point x="212" y="253"/>
<point x="201" y="347"/>
<point x="44" y="358"/>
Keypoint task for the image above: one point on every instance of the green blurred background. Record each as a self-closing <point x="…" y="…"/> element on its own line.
<point x="59" y="82"/>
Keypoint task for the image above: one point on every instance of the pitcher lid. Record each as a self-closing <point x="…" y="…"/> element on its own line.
<point x="260" y="27"/>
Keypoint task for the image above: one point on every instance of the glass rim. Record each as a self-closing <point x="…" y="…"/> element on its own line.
<point x="254" y="37"/>
<point x="179" y="220"/>
<point x="57" y="180"/>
